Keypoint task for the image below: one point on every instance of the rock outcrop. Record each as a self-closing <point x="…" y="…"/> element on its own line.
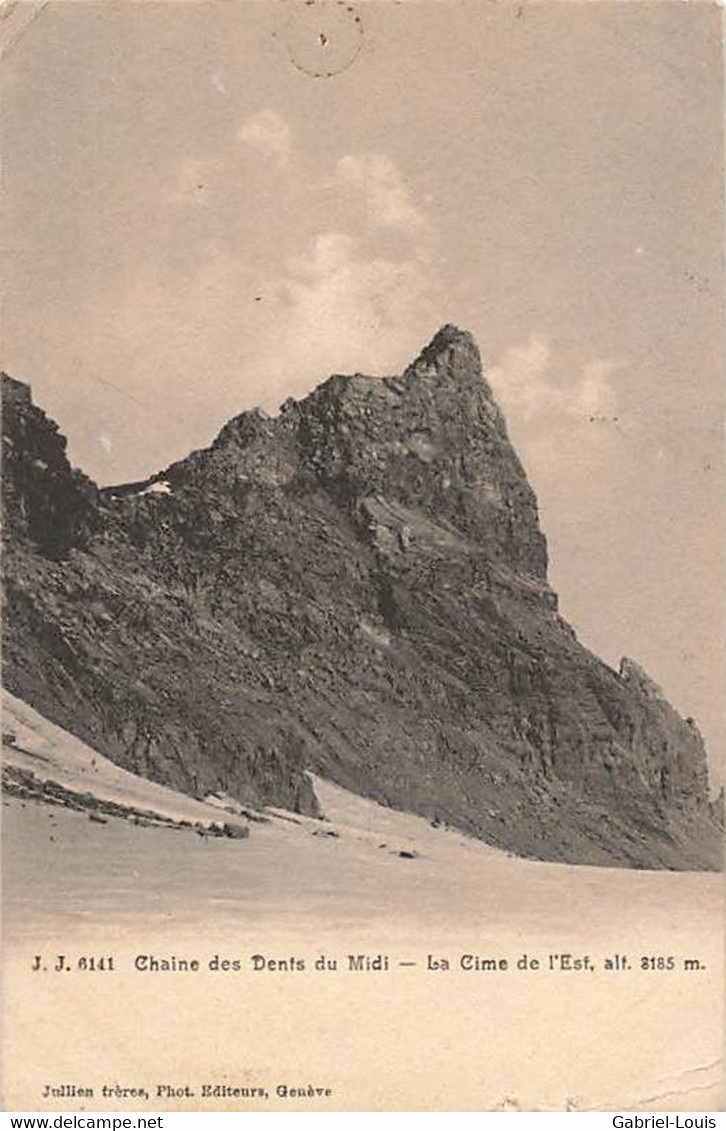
<point x="44" y="500"/>
<point x="357" y="586"/>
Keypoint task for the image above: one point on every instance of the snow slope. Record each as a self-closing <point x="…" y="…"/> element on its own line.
<point x="366" y="881"/>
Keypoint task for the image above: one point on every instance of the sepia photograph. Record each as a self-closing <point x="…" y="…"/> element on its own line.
<point x="363" y="550"/>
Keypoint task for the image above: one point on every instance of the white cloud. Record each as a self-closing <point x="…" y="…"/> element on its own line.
<point x="596" y="396"/>
<point x="257" y="339"/>
<point x="522" y="380"/>
<point x="329" y="252"/>
<point x="270" y="134"/>
<point x="566" y="425"/>
<point x="339" y="308"/>
<point x="388" y="197"/>
<point x="528" y="389"/>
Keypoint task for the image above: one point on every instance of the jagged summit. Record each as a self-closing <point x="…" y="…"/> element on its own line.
<point x="450" y="337"/>
<point x="452" y="354"/>
<point x="357" y="586"/>
<point x="432" y="440"/>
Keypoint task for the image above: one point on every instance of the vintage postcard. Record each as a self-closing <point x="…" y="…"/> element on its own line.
<point x="363" y="547"/>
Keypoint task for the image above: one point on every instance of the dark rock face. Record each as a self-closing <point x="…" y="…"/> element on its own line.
<point x="359" y="587"/>
<point x="44" y="501"/>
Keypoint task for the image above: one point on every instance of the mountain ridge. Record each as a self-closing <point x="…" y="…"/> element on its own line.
<point x="356" y="586"/>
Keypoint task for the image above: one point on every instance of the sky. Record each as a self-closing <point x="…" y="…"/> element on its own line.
<point x="214" y="206"/>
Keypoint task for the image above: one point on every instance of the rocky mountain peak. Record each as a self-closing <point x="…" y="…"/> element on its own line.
<point x="14" y="391"/>
<point x="431" y="441"/>
<point x="44" y="499"/>
<point x="357" y="587"/>
<point x="451" y="356"/>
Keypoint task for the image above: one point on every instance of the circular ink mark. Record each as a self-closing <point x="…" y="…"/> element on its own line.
<point x="322" y="37"/>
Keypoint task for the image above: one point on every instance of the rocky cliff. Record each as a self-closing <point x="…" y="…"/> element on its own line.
<point x="357" y="586"/>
